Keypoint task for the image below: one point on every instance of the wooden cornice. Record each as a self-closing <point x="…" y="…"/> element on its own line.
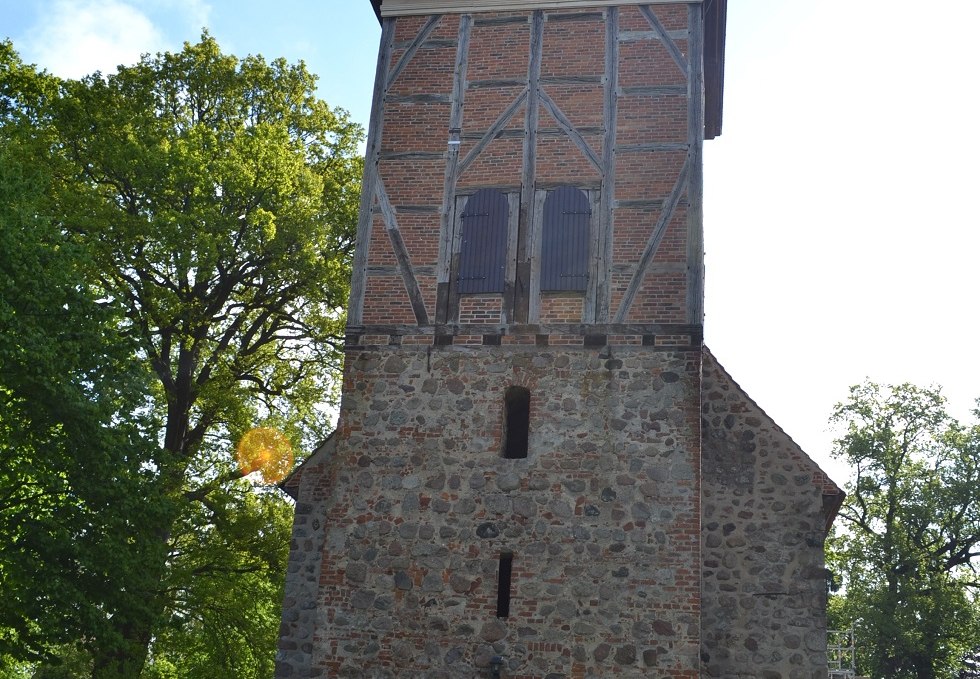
<point x="409" y="7"/>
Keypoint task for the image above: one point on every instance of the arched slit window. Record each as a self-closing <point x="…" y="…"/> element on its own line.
<point x="483" y="243"/>
<point x="565" y="240"/>
<point x="517" y="422"/>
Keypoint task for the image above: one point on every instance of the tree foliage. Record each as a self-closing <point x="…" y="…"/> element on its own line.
<point x="907" y="542"/>
<point x="71" y="432"/>
<point x="175" y="250"/>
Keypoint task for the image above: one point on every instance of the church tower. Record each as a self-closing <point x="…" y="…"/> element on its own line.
<point x="539" y="470"/>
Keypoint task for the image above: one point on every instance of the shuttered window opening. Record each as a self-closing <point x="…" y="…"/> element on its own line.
<point x="565" y="240"/>
<point x="483" y="243"/>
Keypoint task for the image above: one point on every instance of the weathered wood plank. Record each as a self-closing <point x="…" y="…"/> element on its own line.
<point x="411" y="155"/>
<point x="415" y="7"/>
<point x="452" y="285"/>
<point x="522" y="287"/>
<point x="483" y="84"/>
<point x="530" y="329"/>
<point x="406" y="57"/>
<point x="583" y="184"/>
<point x="510" y="274"/>
<point x="588" y="304"/>
<point x="418" y="209"/>
<point x="695" y="189"/>
<point x="566" y="125"/>
<point x="571" y="80"/>
<point x="655" y="267"/>
<point x="647" y="203"/>
<point x="580" y="16"/>
<point x="355" y="307"/>
<point x="603" y="263"/>
<point x="666" y="214"/>
<point x="390" y="270"/>
<point x="657" y="147"/>
<point x="671" y="46"/>
<point x="452" y="160"/>
<point x="491" y="134"/>
<point x="542" y="132"/>
<point x="401" y="254"/>
<point x="534" y="253"/>
<point x="654" y="90"/>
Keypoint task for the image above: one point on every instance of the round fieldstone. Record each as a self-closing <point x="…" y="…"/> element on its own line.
<point x="487" y="530"/>
<point x="625" y="655"/>
<point x="508" y="482"/>
<point x="403" y="581"/>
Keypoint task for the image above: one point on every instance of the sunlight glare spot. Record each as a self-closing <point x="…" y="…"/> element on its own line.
<point x="267" y="451"/>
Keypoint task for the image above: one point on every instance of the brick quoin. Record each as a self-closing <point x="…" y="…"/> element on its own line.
<point x="656" y="499"/>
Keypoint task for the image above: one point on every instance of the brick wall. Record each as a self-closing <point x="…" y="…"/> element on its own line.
<point x="652" y="106"/>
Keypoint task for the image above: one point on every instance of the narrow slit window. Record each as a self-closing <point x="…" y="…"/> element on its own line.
<point x="565" y="240"/>
<point x="503" y="585"/>
<point x="517" y="422"/>
<point x="483" y="243"/>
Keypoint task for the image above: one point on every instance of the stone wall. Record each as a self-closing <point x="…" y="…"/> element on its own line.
<point x="764" y="601"/>
<point x="295" y="656"/>
<point x="415" y="506"/>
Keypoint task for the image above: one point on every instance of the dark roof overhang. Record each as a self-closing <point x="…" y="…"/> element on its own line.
<point x="715" y="18"/>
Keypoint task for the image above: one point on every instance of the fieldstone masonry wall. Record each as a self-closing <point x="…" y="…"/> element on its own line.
<point x="417" y="505"/>
<point x="299" y="614"/>
<point x="764" y="602"/>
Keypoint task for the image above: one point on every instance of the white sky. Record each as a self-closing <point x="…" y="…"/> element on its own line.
<point x="841" y="234"/>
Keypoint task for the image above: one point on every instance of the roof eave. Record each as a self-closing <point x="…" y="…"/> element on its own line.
<point x="715" y="19"/>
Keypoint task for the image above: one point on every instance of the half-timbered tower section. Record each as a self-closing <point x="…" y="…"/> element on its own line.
<point x="536" y="167"/>
<point x="515" y="483"/>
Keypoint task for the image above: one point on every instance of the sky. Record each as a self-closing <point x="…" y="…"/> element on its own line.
<point x="841" y="230"/>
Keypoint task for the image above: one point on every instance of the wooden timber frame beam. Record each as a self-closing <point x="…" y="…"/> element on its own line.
<point x="518" y="307"/>
<point x="372" y="156"/>
<point x="695" y="185"/>
<point x="715" y="15"/>
<point x="372" y="188"/>
<point x="444" y="291"/>
<point x="521" y="293"/>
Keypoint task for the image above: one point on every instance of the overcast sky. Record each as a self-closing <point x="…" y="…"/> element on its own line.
<point x="841" y="231"/>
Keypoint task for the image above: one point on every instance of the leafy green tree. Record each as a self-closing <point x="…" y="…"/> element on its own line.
<point x="908" y="538"/>
<point x="71" y="433"/>
<point x="224" y="617"/>
<point x="213" y="202"/>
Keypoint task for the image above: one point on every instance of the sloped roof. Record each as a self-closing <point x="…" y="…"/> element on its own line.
<point x="290" y="485"/>
<point x="833" y="496"/>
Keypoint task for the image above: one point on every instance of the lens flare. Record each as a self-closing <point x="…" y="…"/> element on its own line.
<point x="267" y="451"/>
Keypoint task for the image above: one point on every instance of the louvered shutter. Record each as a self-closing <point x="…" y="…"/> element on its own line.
<point x="483" y="246"/>
<point x="565" y="240"/>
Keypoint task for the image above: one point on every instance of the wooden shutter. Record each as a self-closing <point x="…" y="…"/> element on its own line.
<point x="565" y="240"/>
<point x="483" y="243"/>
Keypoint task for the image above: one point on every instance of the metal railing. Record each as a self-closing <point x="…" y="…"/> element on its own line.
<point x="840" y="654"/>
